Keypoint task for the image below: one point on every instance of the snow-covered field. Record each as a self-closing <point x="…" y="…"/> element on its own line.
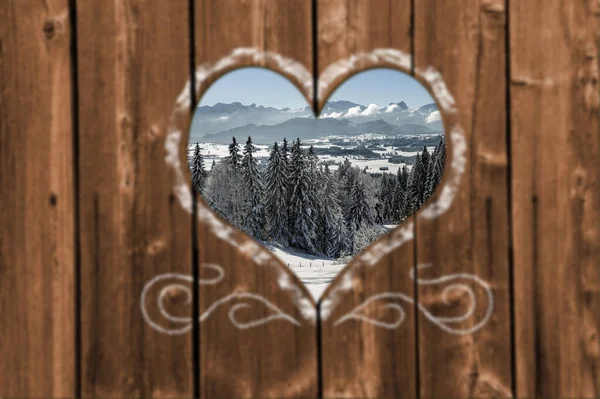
<point x="317" y="278"/>
<point x="218" y="151"/>
<point x="315" y="272"/>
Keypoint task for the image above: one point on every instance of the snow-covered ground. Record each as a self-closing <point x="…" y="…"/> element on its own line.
<point x="316" y="272"/>
<point x="317" y="278"/>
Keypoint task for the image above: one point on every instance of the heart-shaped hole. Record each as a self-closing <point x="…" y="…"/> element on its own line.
<point x="316" y="192"/>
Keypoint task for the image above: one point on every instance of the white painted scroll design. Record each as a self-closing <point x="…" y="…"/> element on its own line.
<point x="459" y="282"/>
<point x="182" y="283"/>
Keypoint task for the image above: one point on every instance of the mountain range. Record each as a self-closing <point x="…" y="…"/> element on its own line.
<point x="219" y="122"/>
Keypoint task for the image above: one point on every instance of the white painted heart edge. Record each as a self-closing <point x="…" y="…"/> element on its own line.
<point x="403" y="234"/>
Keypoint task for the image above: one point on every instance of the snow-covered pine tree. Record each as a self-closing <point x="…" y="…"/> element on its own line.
<point x="414" y="187"/>
<point x="312" y="166"/>
<point x="378" y="212"/>
<point x="347" y="182"/>
<point x="199" y="173"/>
<point x="345" y="175"/>
<point x="312" y="160"/>
<point x="380" y="196"/>
<point x="224" y="193"/>
<point x="400" y="195"/>
<point x="285" y="152"/>
<point x="425" y="157"/>
<point x="404" y="175"/>
<point x="254" y="223"/>
<point x="234" y="157"/>
<point x="287" y="157"/>
<point x="389" y="200"/>
<point x="360" y="211"/>
<point x="443" y="154"/>
<point x="386" y="197"/>
<point x="315" y="186"/>
<point x="319" y="178"/>
<point x="335" y="236"/>
<point x="366" y="235"/>
<point x="434" y="172"/>
<point x="351" y="229"/>
<point x="343" y="169"/>
<point x="399" y="204"/>
<point x="277" y="198"/>
<point x="303" y="228"/>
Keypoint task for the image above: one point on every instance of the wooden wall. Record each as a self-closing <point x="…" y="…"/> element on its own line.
<point x="107" y="260"/>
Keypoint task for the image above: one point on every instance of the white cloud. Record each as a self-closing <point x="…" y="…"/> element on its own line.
<point x="372" y="109"/>
<point x="391" y="107"/>
<point x="336" y="115"/>
<point x="433" y="117"/>
<point x="353" y="112"/>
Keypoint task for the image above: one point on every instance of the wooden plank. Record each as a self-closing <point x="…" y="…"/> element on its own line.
<point x="351" y="27"/>
<point x="361" y="359"/>
<point x="465" y="41"/>
<point x="37" y="283"/>
<point x="271" y="358"/>
<point x="133" y="63"/>
<point x="555" y="155"/>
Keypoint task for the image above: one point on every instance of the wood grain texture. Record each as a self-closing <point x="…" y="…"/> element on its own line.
<point x="360" y="359"/>
<point x="465" y="41"/>
<point x="133" y="63"/>
<point x="555" y="117"/>
<point x="278" y="358"/>
<point x="37" y="284"/>
<point x="350" y="27"/>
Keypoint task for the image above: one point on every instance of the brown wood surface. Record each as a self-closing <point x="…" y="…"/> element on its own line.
<point x="555" y="156"/>
<point x="87" y="198"/>
<point x="360" y="359"/>
<point x="466" y="42"/>
<point x="133" y="61"/>
<point x="37" y="279"/>
<point x="276" y="359"/>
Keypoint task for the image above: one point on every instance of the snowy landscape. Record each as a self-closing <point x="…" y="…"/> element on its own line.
<point x="316" y="192"/>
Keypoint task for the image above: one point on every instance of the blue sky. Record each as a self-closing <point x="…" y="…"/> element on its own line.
<point x="263" y="87"/>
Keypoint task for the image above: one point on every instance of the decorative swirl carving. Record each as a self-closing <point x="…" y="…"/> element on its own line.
<point x="445" y="323"/>
<point x="175" y="283"/>
<point x="184" y="322"/>
<point x="277" y="314"/>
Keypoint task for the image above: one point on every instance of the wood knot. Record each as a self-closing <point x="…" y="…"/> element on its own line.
<point x="175" y="295"/>
<point x="53" y="199"/>
<point x="579" y="183"/>
<point x="155" y="247"/>
<point x="49" y="29"/>
<point x="153" y="133"/>
<point x="495" y="9"/>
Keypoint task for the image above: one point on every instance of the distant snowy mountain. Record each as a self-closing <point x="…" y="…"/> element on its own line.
<point x="309" y="128"/>
<point x="219" y="117"/>
<point x="217" y="123"/>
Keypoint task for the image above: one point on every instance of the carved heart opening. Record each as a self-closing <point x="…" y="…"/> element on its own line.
<point x="316" y="191"/>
